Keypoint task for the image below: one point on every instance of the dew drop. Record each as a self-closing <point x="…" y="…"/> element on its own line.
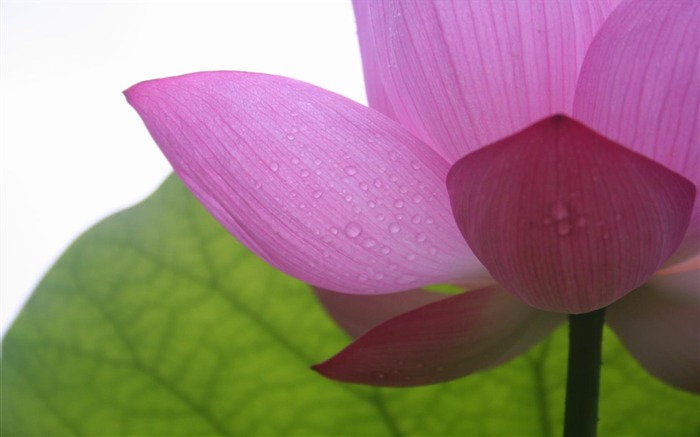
<point x="369" y="243"/>
<point x="393" y="178"/>
<point x="371" y="204"/>
<point x="439" y="369"/>
<point x="362" y="277"/>
<point x="403" y="189"/>
<point x="581" y="222"/>
<point x="559" y="210"/>
<point x="317" y="194"/>
<point x="385" y="250"/>
<point x="398" y="204"/>
<point x="415" y="165"/>
<point x="378" y="183"/>
<point x="295" y="160"/>
<point x="411" y="257"/>
<point x="417" y="198"/>
<point x="334" y="231"/>
<point x="429" y="221"/>
<point x="353" y="229"/>
<point x="274" y="166"/>
<point x="304" y="173"/>
<point x="432" y="251"/>
<point x="379" y="276"/>
<point x="564" y="228"/>
<point x="348" y="198"/>
<point x="421" y="237"/>
<point x="406" y="279"/>
<point x="364" y="186"/>
<point x="381" y="217"/>
<point x="379" y="375"/>
<point x="416" y="219"/>
<point x="394" y="228"/>
<point x="290" y="137"/>
<point x="392" y="156"/>
<point x="350" y="170"/>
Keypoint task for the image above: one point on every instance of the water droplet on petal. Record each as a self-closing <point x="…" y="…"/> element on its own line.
<point x="295" y="160"/>
<point x="559" y="210"/>
<point x="334" y="231"/>
<point x="417" y="198"/>
<point x="353" y="229"/>
<point x="371" y="204"/>
<point x="304" y="173"/>
<point x="369" y="243"/>
<point x="398" y="204"/>
<point x="317" y="194"/>
<point x="432" y="251"/>
<point x="385" y="250"/>
<point x="274" y="166"/>
<point x="421" y="237"/>
<point x="394" y="228"/>
<point x="350" y="170"/>
<point x="415" y="165"/>
<point x="379" y="375"/>
<point x="378" y="183"/>
<point x="364" y="186"/>
<point x="581" y="222"/>
<point x="564" y="228"/>
<point x="406" y="279"/>
<point x="416" y="219"/>
<point x="348" y="198"/>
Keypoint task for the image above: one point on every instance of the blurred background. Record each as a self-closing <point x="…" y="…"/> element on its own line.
<point x="72" y="151"/>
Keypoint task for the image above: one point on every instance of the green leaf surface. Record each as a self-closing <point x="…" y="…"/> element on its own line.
<point x="157" y="322"/>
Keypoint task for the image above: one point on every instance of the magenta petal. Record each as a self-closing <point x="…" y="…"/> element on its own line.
<point x="442" y="341"/>
<point x="660" y="326"/>
<point x="461" y="74"/>
<point x="326" y="190"/>
<point x="356" y="314"/>
<point x="566" y="219"/>
<point x="640" y="86"/>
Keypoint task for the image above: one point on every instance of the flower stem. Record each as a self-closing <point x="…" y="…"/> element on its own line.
<point x="583" y="378"/>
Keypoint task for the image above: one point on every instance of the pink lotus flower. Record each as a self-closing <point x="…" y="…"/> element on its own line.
<point x="463" y="173"/>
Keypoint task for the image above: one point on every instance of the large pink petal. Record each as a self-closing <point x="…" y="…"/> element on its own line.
<point x="566" y="219"/>
<point x="322" y="188"/>
<point x="660" y="325"/>
<point x="357" y="314"/>
<point x="462" y="74"/>
<point x="640" y="86"/>
<point x="444" y="340"/>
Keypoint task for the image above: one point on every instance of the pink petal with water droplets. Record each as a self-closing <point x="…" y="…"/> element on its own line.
<point x="566" y="219"/>
<point x="326" y="190"/>
<point x="660" y="325"/>
<point x="462" y="74"/>
<point x="441" y="341"/>
<point x="640" y="86"/>
<point x="357" y="314"/>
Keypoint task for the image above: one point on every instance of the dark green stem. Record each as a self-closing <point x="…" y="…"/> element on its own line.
<point x="583" y="379"/>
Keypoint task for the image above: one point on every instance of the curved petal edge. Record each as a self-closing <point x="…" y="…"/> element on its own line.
<point x="441" y="341"/>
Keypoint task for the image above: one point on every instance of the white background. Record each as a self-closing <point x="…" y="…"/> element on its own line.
<point x="73" y="151"/>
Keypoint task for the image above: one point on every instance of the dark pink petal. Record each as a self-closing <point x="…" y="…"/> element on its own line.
<point x="640" y="86"/>
<point x="660" y="325"/>
<point x="566" y="219"/>
<point x="356" y="314"/>
<point x="441" y="341"/>
<point x="326" y="190"/>
<point x="461" y="74"/>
